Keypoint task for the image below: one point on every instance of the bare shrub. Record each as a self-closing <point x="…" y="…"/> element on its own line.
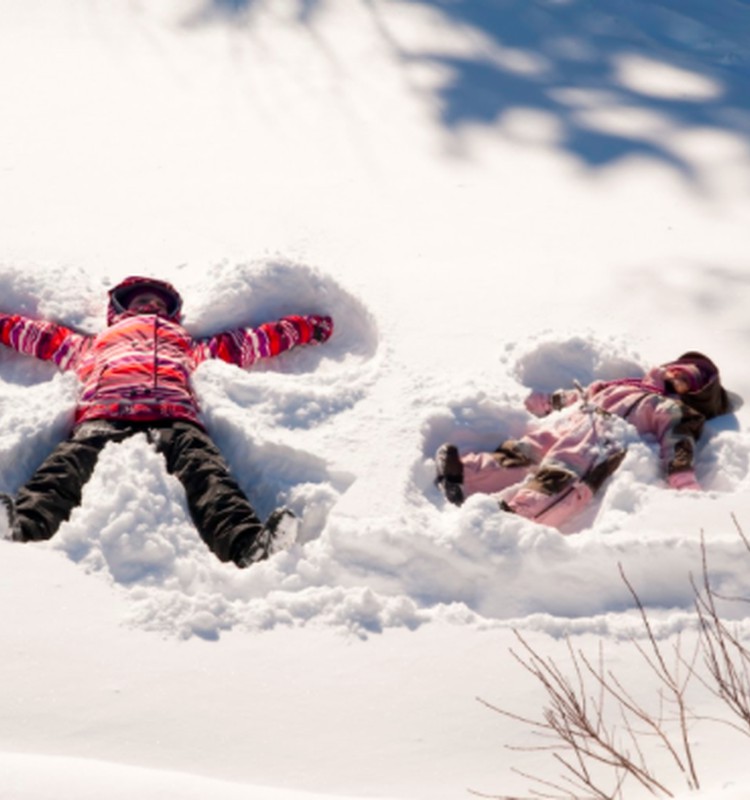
<point x="600" y="735"/>
<point x="726" y="658"/>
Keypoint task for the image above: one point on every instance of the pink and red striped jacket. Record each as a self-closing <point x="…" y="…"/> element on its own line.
<point x="139" y="368"/>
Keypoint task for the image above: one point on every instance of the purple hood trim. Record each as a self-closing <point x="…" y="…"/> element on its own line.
<point x="120" y="295"/>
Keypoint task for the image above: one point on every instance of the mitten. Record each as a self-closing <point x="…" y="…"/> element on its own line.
<point x="684" y="479"/>
<point x="539" y="404"/>
<point x="322" y="327"/>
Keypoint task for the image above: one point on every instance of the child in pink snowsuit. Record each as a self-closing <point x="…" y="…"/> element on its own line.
<point x="552" y="472"/>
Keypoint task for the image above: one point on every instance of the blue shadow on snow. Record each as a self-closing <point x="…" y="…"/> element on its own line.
<point x="577" y="45"/>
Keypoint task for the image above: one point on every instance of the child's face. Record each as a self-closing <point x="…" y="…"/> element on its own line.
<point x="147" y="303"/>
<point x="681" y="386"/>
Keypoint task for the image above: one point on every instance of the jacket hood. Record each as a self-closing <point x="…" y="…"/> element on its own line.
<point x="706" y="395"/>
<point x="120" y="296"/>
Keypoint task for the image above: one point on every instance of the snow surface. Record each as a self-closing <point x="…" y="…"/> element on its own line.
<point x="489" y="197"/>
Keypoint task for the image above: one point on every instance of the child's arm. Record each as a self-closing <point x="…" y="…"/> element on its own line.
<point x="245" y="346"/>
<point x="540" y="404"/>
<point x="41" y="339"/>
<point x="677" y="445"/>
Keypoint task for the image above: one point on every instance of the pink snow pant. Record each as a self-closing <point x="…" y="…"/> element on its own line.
<point x="553" y="487"/>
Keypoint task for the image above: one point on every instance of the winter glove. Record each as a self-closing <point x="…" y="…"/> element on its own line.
<point x="322" y="328"/>
<point x="684" y="479"/>
<point x="539" y="404"/>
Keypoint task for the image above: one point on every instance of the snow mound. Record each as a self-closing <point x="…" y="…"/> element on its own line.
<point x="362" y="570"/>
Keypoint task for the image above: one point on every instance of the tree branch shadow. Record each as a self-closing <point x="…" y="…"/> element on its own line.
<point x="685" y="65"/>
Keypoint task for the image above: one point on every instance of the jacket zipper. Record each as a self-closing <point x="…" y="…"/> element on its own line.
<point x="156" y="360"/>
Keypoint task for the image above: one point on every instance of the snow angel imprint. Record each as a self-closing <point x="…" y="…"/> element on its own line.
<point x="555" y="468"/>
<point x="136" y="377"/>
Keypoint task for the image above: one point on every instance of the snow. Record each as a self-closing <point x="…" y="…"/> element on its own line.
<point x="489" y="197"/>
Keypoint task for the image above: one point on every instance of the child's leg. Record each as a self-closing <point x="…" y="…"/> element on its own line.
<point x="478" y="473"/>
<point x="55" y="489"/>
<point x="220" y="510"/>
<point x="486" y="473"/>
<point x="556" y="493"/>
<point x="552" y="496"/>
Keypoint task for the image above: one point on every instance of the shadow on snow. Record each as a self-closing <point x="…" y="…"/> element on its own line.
<point x="563" y="58"/>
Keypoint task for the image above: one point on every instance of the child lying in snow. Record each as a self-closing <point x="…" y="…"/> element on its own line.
<point x="552" y="472"/>
<point x="136" y="378"/>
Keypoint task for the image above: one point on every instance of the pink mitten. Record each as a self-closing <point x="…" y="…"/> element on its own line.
<point x="539" y="404"/>
<point x="685" y="479"/>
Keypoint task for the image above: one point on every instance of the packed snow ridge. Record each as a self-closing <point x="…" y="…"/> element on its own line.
<point x="359" y="564"/>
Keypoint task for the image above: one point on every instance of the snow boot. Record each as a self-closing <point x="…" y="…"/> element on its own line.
<point x="279" y="533"/>
<point x="450" y="473"/>
<point x="283" y="528"/>
<point x="7" y="516"/>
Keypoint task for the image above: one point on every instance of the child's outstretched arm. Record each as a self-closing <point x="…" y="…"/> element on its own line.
<point x="540" y="404"/>
<point x="245" y="346"/>
<point x="41" y="339"/>
<point x="677" y="441"/>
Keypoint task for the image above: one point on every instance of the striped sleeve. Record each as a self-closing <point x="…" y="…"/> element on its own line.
<point x="245" y="346"/>
<point x="41" y="339"/>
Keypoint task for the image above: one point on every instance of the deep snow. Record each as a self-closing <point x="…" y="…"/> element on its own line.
<point x="489" y="198"/>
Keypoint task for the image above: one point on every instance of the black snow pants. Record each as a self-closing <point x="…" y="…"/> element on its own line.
<point x="220" y="511"/>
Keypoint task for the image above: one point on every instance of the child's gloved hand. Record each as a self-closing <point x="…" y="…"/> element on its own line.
<point x="539" y="404"/>
<point x="322" y="327"/>
<point x="684" y="479"/>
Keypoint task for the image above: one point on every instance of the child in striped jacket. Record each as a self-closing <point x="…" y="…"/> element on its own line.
<point x="135" y="377"/>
